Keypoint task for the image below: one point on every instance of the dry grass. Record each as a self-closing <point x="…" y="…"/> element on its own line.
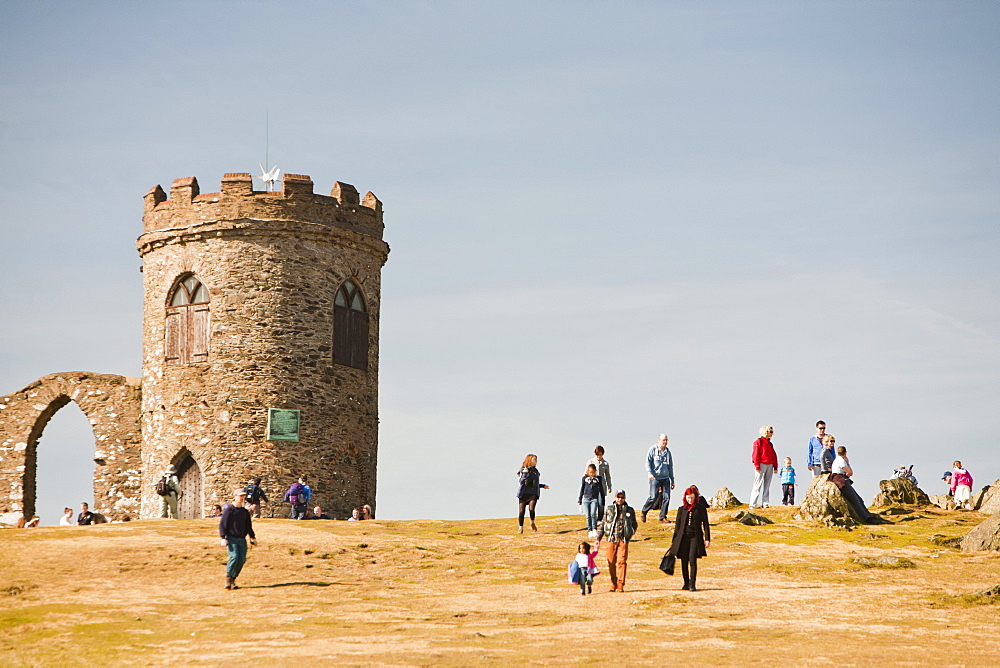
<point x="459" y="593"/>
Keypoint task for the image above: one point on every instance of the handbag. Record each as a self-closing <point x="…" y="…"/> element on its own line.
<point x="667" y="563"/>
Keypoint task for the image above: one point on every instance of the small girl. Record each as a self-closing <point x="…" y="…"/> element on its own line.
<point x="961" y="486"/>
<point x="788" y="483"/>
<point x="585" y="560"/>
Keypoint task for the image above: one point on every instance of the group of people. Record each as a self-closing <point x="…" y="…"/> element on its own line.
<point x="615" y="524"/>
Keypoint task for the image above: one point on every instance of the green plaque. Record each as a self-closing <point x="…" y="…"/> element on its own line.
<point x="283" y="424"/>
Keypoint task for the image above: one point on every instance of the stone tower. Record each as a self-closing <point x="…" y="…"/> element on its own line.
<point x="252" y="301"/>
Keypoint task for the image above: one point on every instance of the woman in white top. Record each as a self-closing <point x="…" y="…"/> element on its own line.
<point x="67" y="519"/>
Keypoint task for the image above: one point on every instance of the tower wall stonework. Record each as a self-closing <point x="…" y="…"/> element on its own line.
<point x="272" y="263"/>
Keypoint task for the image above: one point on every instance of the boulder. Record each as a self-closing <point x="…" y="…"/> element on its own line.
<point x="943" y="501"/>
<point x="900" y="490"/>
<point x="989" y="499"/>
<point x="941" y="540"/>
<point x="984" y="537"/>
<point x="825" y="503"/>
<point x="750" y="519"/>
<point x="884" y="561"/>
<point x="725" y="499"/>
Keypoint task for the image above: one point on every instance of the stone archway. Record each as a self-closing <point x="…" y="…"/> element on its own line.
<point x="111" y="404"/>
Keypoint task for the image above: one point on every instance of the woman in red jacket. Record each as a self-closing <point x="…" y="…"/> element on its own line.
<point x="765" y="460"/>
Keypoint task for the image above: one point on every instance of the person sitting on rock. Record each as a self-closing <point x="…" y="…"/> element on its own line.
<point x="828" y="455"/>
<point x="905" y="473"/>
<point x="841" y="473"/>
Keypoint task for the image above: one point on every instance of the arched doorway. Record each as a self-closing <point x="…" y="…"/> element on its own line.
<point x="64" y="466"/>
<point x="189" y="505"/>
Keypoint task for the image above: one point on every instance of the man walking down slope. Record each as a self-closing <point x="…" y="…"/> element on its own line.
<point x="234" y="527"/>
<point x="660" y="468"/>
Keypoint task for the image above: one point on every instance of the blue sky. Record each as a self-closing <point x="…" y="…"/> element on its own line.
<point x="608" y="220"/>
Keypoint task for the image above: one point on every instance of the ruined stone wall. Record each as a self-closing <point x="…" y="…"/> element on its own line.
<point x="111" y="404"/>
<point x="272" y="263"/>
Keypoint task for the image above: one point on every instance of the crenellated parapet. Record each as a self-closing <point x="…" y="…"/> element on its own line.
<point x="236" y="200"/>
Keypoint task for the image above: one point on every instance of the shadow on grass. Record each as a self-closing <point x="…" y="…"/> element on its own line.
<point x="292" y="584"/>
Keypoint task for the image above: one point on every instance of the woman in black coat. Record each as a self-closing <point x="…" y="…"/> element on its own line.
<point x="528" y="488"/>
<point x="691" y="536"/>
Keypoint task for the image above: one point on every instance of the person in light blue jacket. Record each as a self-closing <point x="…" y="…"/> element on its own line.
<point x="660" y="468"/>
<point x="814" y="451"/>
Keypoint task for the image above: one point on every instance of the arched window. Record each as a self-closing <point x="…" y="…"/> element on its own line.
<point x="187" y="322"/>
<point x="350" y="327"/>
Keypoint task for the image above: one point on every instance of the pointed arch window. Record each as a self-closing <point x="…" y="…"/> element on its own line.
<point x="350" y="327"/>
<point x="187" y="322"/>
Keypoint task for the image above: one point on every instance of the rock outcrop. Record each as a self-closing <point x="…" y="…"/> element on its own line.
<point x="984" y="537"/>
<point x="989" y="500"/>
<point x="825" y="503"/>
<point x="885" y="561"/>
<point x="725" y="499"/>
<point x="899" y="491"/>
<point x="943" y="501"/>
<point x="750" y="519"/>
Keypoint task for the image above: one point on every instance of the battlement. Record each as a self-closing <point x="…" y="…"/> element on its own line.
<point x="237" y="200"/>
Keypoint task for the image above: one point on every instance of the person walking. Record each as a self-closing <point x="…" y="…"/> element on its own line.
<point x="591" y="497"/>
<point x="961" y="486"/>
<point x="619" y="526"/>
<point x="528" y="490"/>
<point x="660" y="469"/>
<point x="815" y="449"/>
<point x="765" y="461"/>
<point x="169" y="488"/>
<point x="255" y="497"/>
<point x="603" y="470"/>
<point x="692" y="536"/>
<point x="295" y="495"/>
<point x="234" y="527"/>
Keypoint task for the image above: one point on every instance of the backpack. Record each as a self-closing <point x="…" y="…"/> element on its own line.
<point x="296" y="492"/>
<point x="163" y="486"/>
<point x="253" y="494"/>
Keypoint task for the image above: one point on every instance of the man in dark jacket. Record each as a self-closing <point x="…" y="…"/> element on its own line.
<point x="255" y="497"/>
<point x="619" y="526"/>
<point x="234" y="526"/>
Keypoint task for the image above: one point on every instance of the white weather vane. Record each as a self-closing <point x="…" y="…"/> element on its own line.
<point x="269" y="177"/>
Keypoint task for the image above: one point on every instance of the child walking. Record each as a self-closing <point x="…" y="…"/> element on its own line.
<point x="585" y="560"/>
<point x="788" y="483"/>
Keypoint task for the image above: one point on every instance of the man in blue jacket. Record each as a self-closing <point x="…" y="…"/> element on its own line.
<point x="660" y="468"/>
<point x="814" y="454"/>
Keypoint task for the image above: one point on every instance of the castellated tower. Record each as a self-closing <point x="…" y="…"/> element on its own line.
<point x="257" y="301"/>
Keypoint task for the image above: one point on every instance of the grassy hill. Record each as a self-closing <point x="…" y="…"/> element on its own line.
<point x="472" y="592"/>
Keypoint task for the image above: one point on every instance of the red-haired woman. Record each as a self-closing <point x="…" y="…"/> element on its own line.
<point x="527" y="491"/>
<point x="691" y="536"/>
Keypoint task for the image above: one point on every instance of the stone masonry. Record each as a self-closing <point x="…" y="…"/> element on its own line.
<point x="111" y="405"/>
<point x="272" y="263"/>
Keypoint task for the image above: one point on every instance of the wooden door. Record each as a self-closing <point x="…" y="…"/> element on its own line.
<point x="189" y="475"/>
